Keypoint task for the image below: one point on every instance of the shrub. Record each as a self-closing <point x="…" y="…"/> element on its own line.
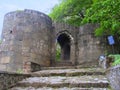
<point x="116" y="59"/>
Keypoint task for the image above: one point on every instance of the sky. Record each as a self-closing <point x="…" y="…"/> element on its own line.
<point x="12" y="5"/>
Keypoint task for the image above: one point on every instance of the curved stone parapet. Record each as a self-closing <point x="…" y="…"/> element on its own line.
<point x="26" y="37"/>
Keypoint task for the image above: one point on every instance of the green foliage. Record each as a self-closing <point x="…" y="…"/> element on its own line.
<point x="116" y="59"/>
<point x="116" y="62"/>
<point x="107" y="14"/>
<point x="70" y="11"/>
<point x="58" y="52"/>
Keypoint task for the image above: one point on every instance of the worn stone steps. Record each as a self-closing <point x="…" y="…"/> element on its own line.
<point x="58" y="81"/>
<point x="65" y="79"/>
<point x="63" y="63"/>
<point x="71" y="67"/>
<point x="70" y="72"/>
<point x="63" y="88"/>
<point x="60" y="67"/>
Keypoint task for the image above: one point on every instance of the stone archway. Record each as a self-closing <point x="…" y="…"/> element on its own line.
<point x="64" y="42"/>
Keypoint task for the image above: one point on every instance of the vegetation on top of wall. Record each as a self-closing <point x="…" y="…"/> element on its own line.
<point x="19" y="10"/>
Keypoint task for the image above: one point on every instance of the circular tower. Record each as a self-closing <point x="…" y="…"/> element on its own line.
<point x="26" y="37"/>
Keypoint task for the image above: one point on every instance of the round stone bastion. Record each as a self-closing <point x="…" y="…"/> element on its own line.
<point x="26" y="36"/>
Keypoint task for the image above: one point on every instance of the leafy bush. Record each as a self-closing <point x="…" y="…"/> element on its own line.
<point x="116" y="59"/>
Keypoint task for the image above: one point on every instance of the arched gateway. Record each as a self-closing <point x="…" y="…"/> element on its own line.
<point x="64" y="41"/>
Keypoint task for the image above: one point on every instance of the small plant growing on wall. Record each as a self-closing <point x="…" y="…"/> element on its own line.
<point x="19" y="71"/>
<point x="58" y="52"/>
<point x="19" y="10"/>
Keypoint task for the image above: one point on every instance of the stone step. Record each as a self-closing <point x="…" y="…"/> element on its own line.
<point x="98" y="81"/>
<point x="69" y="72"/>
<point x="63" y="88"/>
<point x="56" y="68"/>
<point x="63" y="63"/>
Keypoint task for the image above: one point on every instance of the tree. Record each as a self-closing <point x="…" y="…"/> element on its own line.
<point x="70" y="11"/>
<point x="107" y="14"/>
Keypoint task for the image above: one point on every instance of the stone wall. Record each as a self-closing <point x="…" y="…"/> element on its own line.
<point x="85" y="46"/>
<point x="113" y="75"/>
<point x="26" y="36"/>
<point x="8" y="80"/>
<point x="89" y="46"/>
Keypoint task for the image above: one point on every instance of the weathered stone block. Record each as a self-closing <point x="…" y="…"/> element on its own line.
<point x="3" y="67"/>
<point x="113" y="75"/>
<point x="5" y="60"/>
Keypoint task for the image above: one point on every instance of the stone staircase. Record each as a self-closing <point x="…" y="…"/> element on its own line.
<point x="66" y="78"/>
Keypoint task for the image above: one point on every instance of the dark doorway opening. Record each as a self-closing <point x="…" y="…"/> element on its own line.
<point x="64" y="42"/>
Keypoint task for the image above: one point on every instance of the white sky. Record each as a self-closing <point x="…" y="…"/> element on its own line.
<point x="12" y="5"/>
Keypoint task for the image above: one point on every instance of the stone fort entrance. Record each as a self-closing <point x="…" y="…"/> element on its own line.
<point x="30" y="36"/>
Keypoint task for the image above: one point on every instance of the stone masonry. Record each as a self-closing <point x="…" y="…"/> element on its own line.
<point x="8" y="80"/>
<point x="26" y="37"/>
<point x="31" y="36"/>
